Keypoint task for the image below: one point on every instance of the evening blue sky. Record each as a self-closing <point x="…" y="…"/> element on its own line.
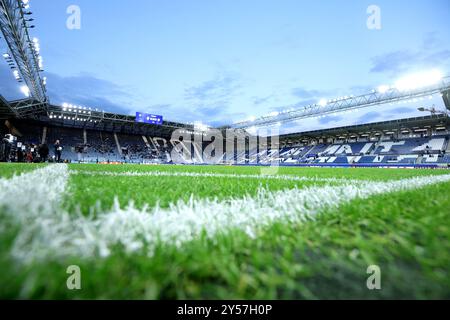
<point x="221" y="61"/>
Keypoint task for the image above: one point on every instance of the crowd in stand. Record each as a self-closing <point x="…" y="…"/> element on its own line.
<point x="33" y="153"/>
<point x="93" y="146"/>
<point x="88" y="146"/>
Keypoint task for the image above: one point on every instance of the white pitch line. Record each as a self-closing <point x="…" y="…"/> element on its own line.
<point x="33" y="193"/>
<point x="214" y="175"/>
<point x="57" y="234"/>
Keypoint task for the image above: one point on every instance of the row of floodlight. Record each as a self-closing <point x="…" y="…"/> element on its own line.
<point x="65" y="117"/>
<point x="336" y="113"/>
<point x="195" y="133"/>
<point x="35" y="47"/>
<point x="406" y="84"/>
<point x="79" y="109"/>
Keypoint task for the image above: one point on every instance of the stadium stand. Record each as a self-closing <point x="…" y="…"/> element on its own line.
<point x="378" y="149"/>
<point x="134" y="148"/>
<point x="29" y="133"/>
<point x="405" y="151"/>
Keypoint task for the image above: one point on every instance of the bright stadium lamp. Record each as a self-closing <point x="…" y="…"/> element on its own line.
<point x="25" y="90"/>
<point x="323" y="102"/>
<point x="419" y="80"/>
<point x="383" y="89"/>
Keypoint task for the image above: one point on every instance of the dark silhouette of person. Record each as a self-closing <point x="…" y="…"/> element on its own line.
<point x="58" y="151"/>
<point x="6" y="146"/>
<point x="44" y="152"/>
<point x="20" y="155"/>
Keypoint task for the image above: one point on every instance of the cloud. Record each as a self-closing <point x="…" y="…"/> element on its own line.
<point x="261" y="100"/>
<point x="438" y="58"/>
<point x="88" y="90"/>
<point x="207" y="102"/>
<point x="220" y="88"/>
<point x="393" y="61"/>
<point x="305" y="97"/>
<point x="431" y="40"/>
<point x="429" y="55"/>
<point x="305" y="93"/>
<point x="330" y="119"/>
<point x="369" y="117"/>
<point x="401" y="110"/>
<point x="210" y="101"/>
<point x="83" y="89"/>
<point x="308" y="96"/>
<point x="213" y="115"/>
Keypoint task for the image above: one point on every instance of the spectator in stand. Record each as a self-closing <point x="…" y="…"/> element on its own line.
<point x="20" y="155"/>
<point x="58" y="151"/>
<point x="29" y="157"/>
<point x="33" y="151"/>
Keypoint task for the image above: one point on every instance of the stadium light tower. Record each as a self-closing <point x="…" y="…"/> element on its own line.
<point x="23" y="56"/>
<point x="434" y="111"/>
<point x="414" y="86"/>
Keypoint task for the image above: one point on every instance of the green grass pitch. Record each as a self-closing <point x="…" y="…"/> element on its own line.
<point x="322" y="255"/>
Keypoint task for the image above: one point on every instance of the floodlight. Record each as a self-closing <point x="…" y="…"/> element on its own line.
<point x="323" y="102"/>
<point x="25" y="90"/>
<point x="383" y="89"/>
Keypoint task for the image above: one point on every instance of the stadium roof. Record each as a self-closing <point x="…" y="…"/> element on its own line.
<point x="411" y="124"/>
<point x="6" y="111"/>
<point x="106" y="121"/>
